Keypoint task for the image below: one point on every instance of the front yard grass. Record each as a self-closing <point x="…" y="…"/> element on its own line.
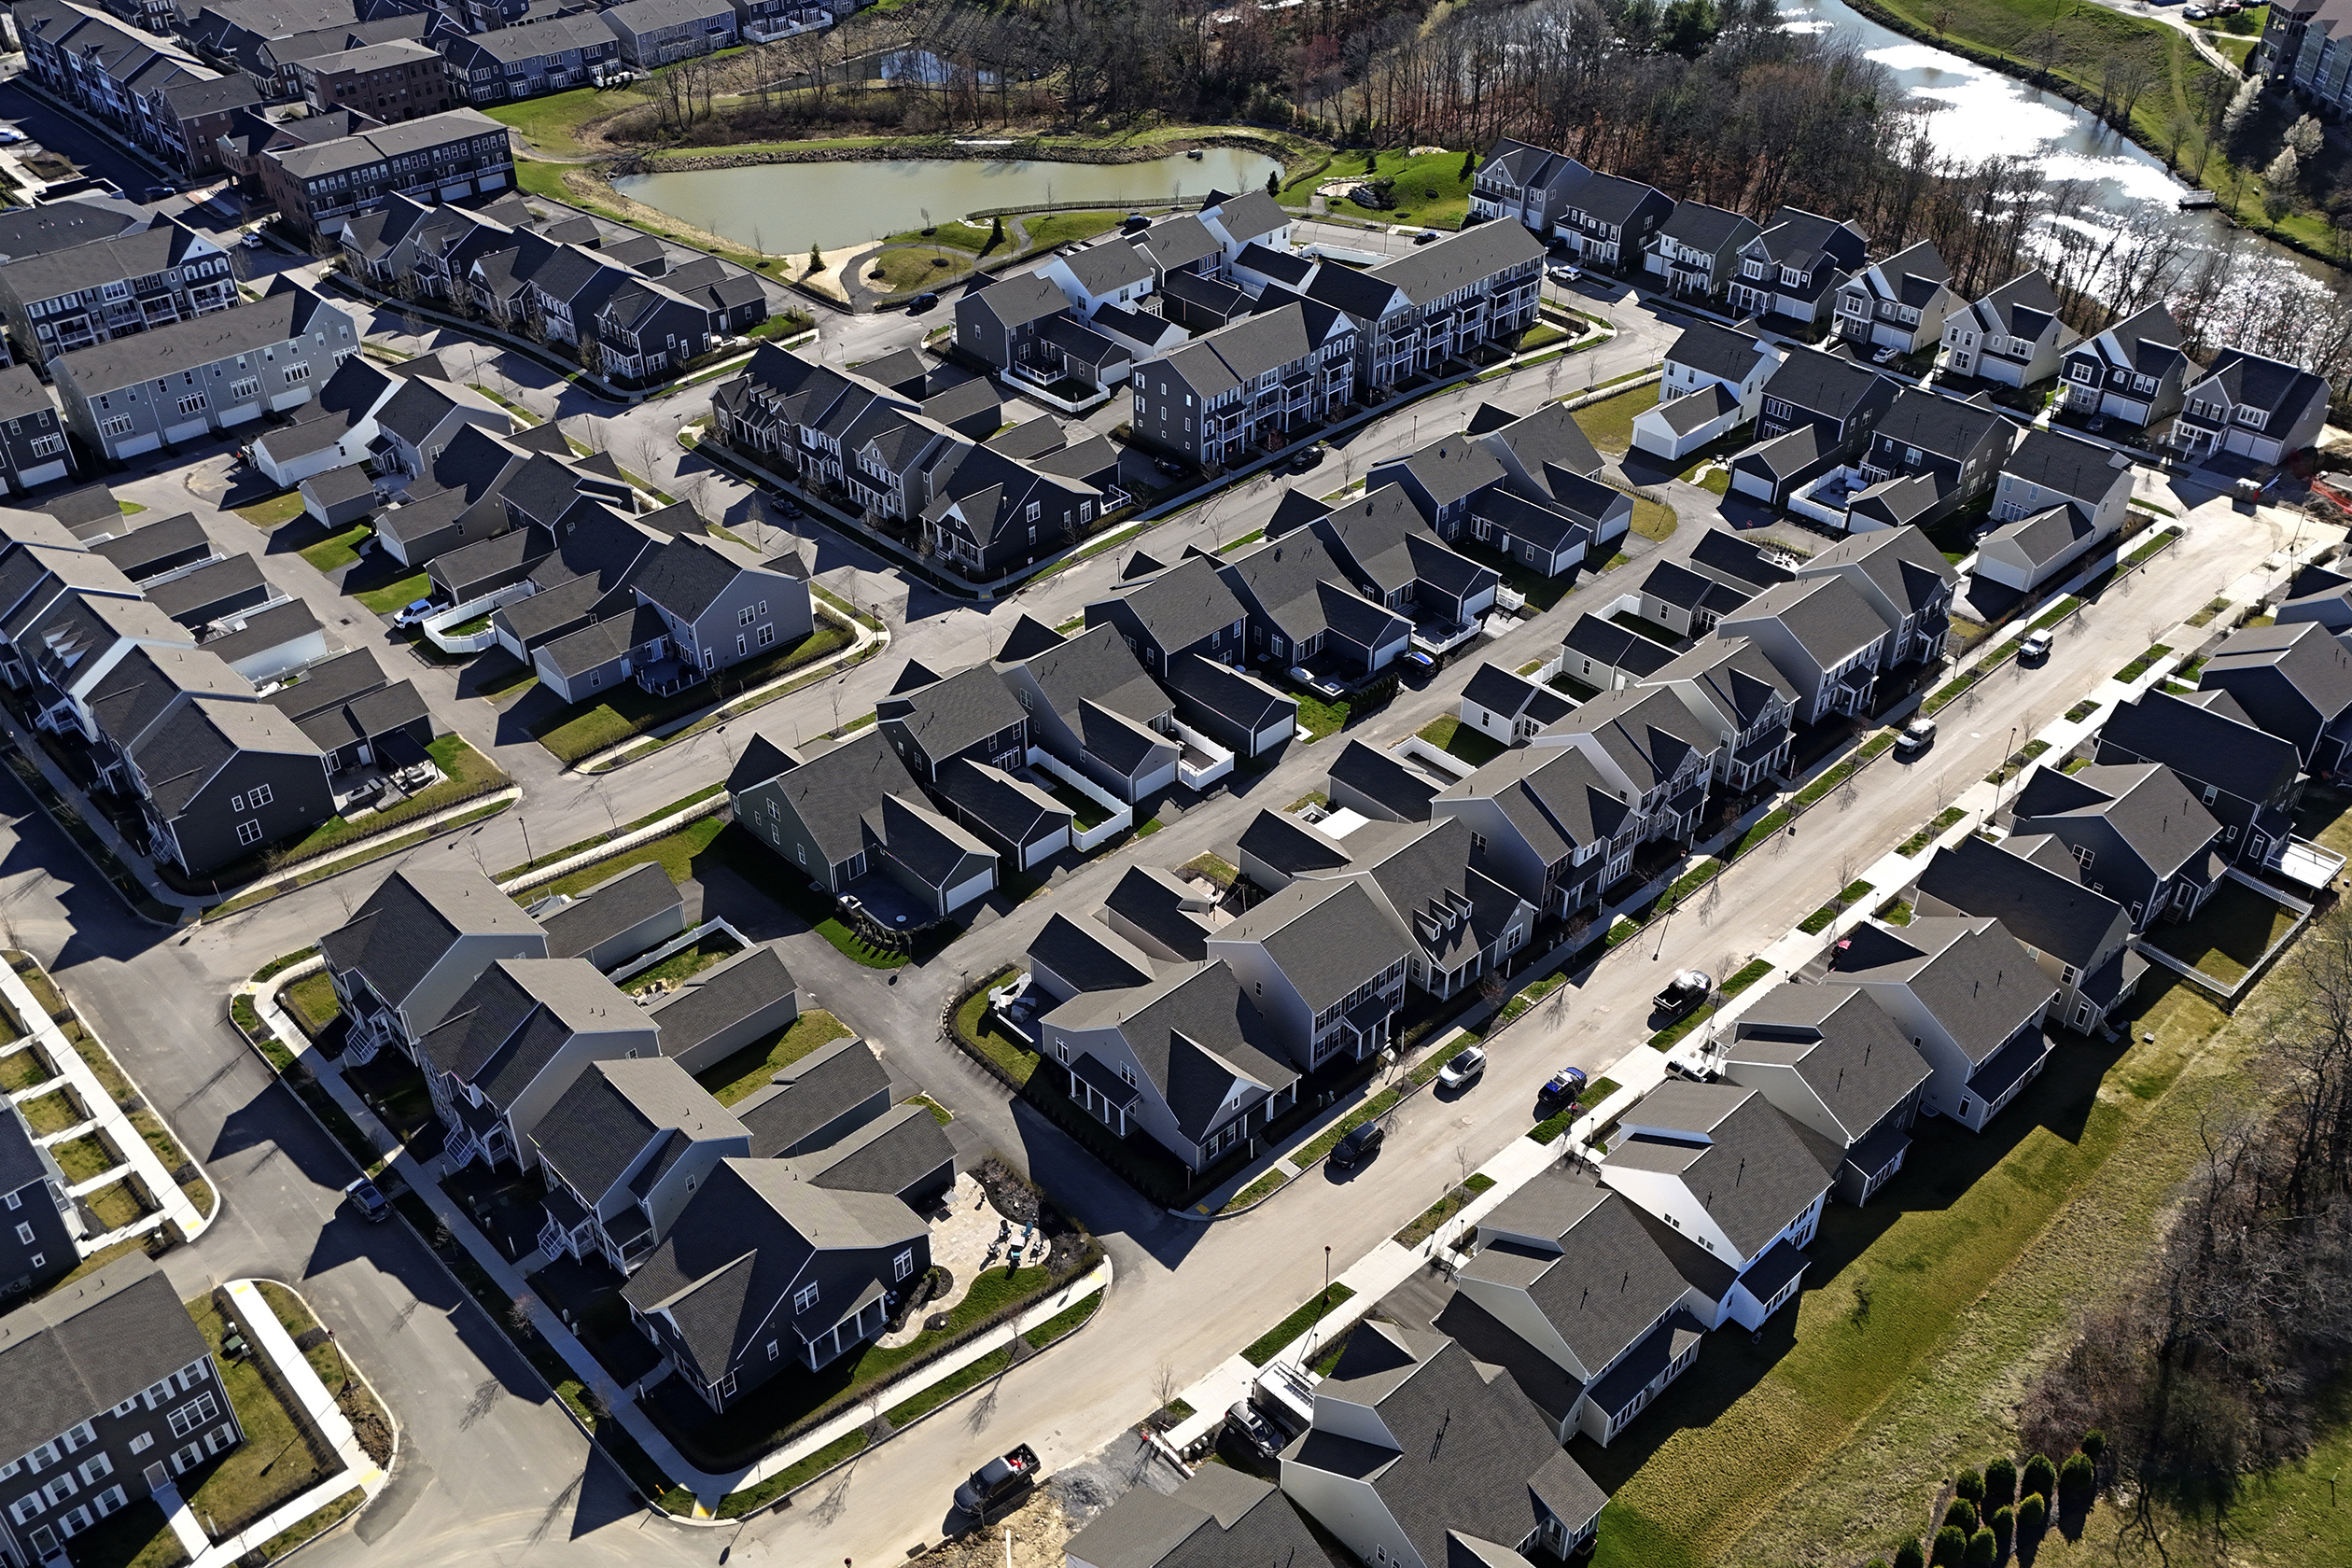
<point x="751" y="1069"/>
<point x="53" y="1111"/>
<point x="466" y="773"/>
<point x="312" y="1002"/>
<point x="684" y="964"/>
<point x="1450" y="735"/>
<point x="23" y="1069"/>
<point x="1274" y="1341"/>
<point x="117" y="1204"/>
<point x="1609" y="423"/>
<point x="1443" y="1209"/>
<point x="272" y="1465"/>
<point x="276" y="510"/>
<point x="573" y="731"/>
<point x="395" y="596"/>
<point x="677" y="852"/>
<point x="1933" y="1306"/>
<point x="976" y="1023"/>
<point x="83" y="1158"/>
<point x="1654" y="520"/>
<point x="2230" y="935"/>
<point x="337" y="551"/>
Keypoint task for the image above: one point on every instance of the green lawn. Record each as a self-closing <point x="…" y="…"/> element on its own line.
<point x="395" y="596"/>
<point x="751" y="1069"/>
<point x="973" y="237"/>
<point x="1440" y="1211"/>
<point x="1048" y="230"/>
<point x="311" y="1002"/>
<point x="975" y="1022"/>
<point x="550" y="125"/>
<point x="1319" y="718"/>
<point x="1609" y="423"/>
<point x="467" y="772"/>
<point x="1274" y="1341"/>
<point x="1450" y="735"/>
<point x="272" y="1465"/>
<point x="1655" y="520"/>
<point x="84" y="1157"/>
<point x="684" y="964"/>
<point x="2324" y="815"/>
<point x="22" y="1070"/>
<point x="2230" y="935"/>
<point x="1917" y="1311"/>
<point x="117" y="1204"/>
<point x="337" y="550"/>
<point x="53" y="1111"/>
<point x="1430" y="191"/>
<point x="276" y="510"/>
<point x="677" y="852"/>
<point x="905" y="272"/>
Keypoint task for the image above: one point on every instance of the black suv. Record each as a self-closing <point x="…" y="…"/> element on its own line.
<point x="1360" y="1145"/>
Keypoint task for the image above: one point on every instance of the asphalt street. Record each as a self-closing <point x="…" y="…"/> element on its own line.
<point x="491" y="1470"/>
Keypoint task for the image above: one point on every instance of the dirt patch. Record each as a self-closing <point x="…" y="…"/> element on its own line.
<point x="1039" y="1529"/>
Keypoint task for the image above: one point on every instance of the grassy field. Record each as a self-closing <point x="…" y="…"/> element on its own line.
<point x="276" y="510"/>
<point x="751" y="1067"/>
<point x="1925" y="1314"/>
<point x="1450" y="735"/>
<point x="969" y="237"/>
<point x="1047" y="230"/>
<point x="1430" y="191"/>
<point x="677" y="852"/>
<point x="550" y="125"/>
<point x="904" y="271"/>
<point x="1609" y="423"/>
<point x="1654" y="520"/>
<point x="2230" y="935"/>
<point x="396" y="594"/>
<point x="337" y="550"/>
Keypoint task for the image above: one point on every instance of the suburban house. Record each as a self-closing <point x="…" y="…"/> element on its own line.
<point x="1558" y="829"/>
<point x="2241" y="403"/>
<point x="816" y="1101"/>
<point x="399" y="79"/>
<point x="930" y="720"/>
<point x="1300" y="608"/>
<point x="1251" y="385"/>
<point x="217" y="778"/>
<point x="1900" y="303"/>
<point x="1169" y="612"/>
<point x="1828" y="404"/>
<point x="621" y="1151"/>
<point x="1608" y="221"/>
<point x="763" y="1270"/>
<point x="998" y="325"/>
<point x="1791" y="267"/>
<point x="1510" y="707"/>
<point x="39" y="1226"/>
<point x="1956" y="446"/>
<point x="1722" y="572"/>
<point x="1382" y="787"/>
<point x="1712" y="381"/>
<point x="853" y="811"/>
<point x="321" y="185"/>
<point x="654" y="33"/>
<point x="356" y="715"/>
<point x="545" y="54"/>
<point x="109" y="1382"/>
<point x="1824" y="635"/>
<point x="628" y="913"/>
<point x="1736" y="1190"/>
<point x="1417" y="1457"/>
<point x="2246" y="779"/>
<point x="1905" y="578"/>
<point x="2134" y="371"/>
<point x="1323" y="962"/>
<point x="990" y="514"/>
<point x="1187" y="1058"/>
<point x="1829" y="1058"/>
<point x="1218" y="1515"/>
<point x="2295" y="680"/>
<point x="1696" y="249"/>
<point x="414" y="947"/>
<point x="1252" y="217"/>
<point x="2012" y="335"/>
<point x="1968" y="995"/>
<point x="1090" y="705"/>
<point x="515" y="1042"/>
<point x="148" y="88"/>
<point x="59" y="300"/>
<point x="1394" y="559"/>
<point x="1413" y="313"/>
<point x="1733" y="689"/>
<point x="1565" y="1268"/>
<point x="1664" y="756"/>
<point x="2077" y="936"/>
<point x="2307" y="47"/>
<point x="2136" y="828"/>
<point x="1231" y="706"/>
<point x="33" y="446"/>
<point x="1605" y="655"/>
<point x="2058" y="498"/>
<point x="1524" y="183"/>
<point x="196" y="378"/>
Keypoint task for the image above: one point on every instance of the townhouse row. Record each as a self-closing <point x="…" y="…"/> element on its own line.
<point x="779" y="1232"/>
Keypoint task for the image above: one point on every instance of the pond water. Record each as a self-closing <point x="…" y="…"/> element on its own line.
<point x="1979" y="113"/>
<point x="784" y="208"/>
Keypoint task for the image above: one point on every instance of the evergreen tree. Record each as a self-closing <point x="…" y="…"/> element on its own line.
<point x="2000" y="1481"/>
<point x="2040" y="1475"/>
<point x="1907" y="1555"/>
<point x="1984" y="1550"/>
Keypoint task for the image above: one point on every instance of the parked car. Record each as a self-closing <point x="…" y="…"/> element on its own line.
<point x="1683" y="992"/>
<point x="921" y="303"/>
<point x="1000" y="1481"/>
<point x="1132" y="222"/>
<point x="1427" y="236"/>
<point x="1168" y="465"/>
<point x="1421" y="661"/>
<point x="1360" y="1144"/>
<point x="367" y="1202"/>
<point x="415" y="612"/>
<point x="783" y="505"/>
<point x="253" y="240"/>
<point x="1564" y="275"/>
<point x="1917" y="736"/>
<point x="2035" y="648"/>
<point x="1464" y="1068"/>
<point x="1885" y="356"/>
<point x="1252" y="1431"/>
<point x="1307" y="457"/>
<point x="10" y="135"/>
<point x="2195" y="13"/>
<point x="1567" y="1084"/>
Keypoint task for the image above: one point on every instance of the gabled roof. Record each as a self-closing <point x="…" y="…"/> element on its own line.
<point x="1249" y="215"/>
<point x="1170" y="913"/>
<point x="1750" y="1168"/>
<point x="1704" y="228"/>
<point x="1840" y="1043"/>
<point x="2148" y="809"/>
<point x="1646" y="729"/>
<point x="1217" y="1518"/>
<point x="517" y="1015"/>
<point x="2078" y="470"/>
<point x="2044" y="909"/>
<point x="85" y="1347"/>
<point x="1903" y="564"/>
<point x="1612" y="198"/>
<point x="1326" y="937"/>
<point x="1555" y="796"/>
<point x="287" y="312"/>
<point x="1108" y="266"/>
<point x="1733" y="673"/>
<point x="1459" y="261"/>
<point x="1947" y="427"/>
<point x="1196" y="1034"/>
<point x="181" y="755"/>
<point x="1819" y="382"/>
<point x="2146" y="343"/>
<point x="2023" y="308"/>
<point x="1972" y="974"/>
<point x="1612" y="644"/>
<point x="1095" y="667"/>
<point x="1827" y="616"/>
<point x="618" y="904"/>
<point x="2206" y="736"/>
<point x="602" y="1123"/>
<point x="1541" y="441"/>
<point x="1186" y="604"/>
<point x="962" y="710"/>
<point x="2251" y="381"/>
<point x="2311" y="660"/>
<point x="806" y="1096"/>
<point x="1583" y="1259"/>
<point x="831" y="791"/>
<point x="1402" y="789"/>
<point x="1015" y="301"/>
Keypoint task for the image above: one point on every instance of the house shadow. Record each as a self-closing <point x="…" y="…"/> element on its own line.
<point x="1095" y="1195"/>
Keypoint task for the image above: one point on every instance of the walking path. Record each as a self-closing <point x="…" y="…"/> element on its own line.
<point x="134" y="1156"/>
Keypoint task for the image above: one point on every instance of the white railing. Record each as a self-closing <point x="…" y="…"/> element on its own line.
<point x="768" y="29"/>
<point x="1413" y="748"/>
<point x="1219" y="762"/>
<point x="436" y="627"/>
<point x="1122" y="816"/>
<point x="1450" y="639"/>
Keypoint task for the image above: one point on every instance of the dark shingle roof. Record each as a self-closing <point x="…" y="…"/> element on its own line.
<point x="2046" y="911"/>
<point x="2068" y="464"/>
<point x="602" y="1123"/>
<point x="85" y="1347"/>
<point x="611" y="908"/>
<point x="1750" y="1168"/>
<point x="1836" y="1039"/>
<point x="708" y="1004"/>
<point x="807" y="1096"/>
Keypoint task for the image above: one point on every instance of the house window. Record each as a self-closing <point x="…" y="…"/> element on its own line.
<point x="294" y="373"/>
<point x="119" y="425"/>
<point x="774" y="1349"/>
<point x="249" y="833"/>
<point x="903" y="1264"/>
<point x="260" y="795"/>
<point x="192" y="403"/>
<point x="744" y="616"/>
<point x="804" y="1299"/>
<point x="47" y="446"/>
<point x="767" y="635"/>
<point x="99" y="1467"/>
<point x="2084" y="856"/>
<point x="193" y="1414"/>
<point x="250" y="387"/>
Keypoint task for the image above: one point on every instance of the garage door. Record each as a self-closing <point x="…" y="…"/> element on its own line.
<point x="187" y="429"/>
<point x="1749" y="483"/>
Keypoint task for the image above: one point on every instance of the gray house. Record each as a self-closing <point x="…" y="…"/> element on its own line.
<point x="219" y="778"/>
<point x="1091" y="705"/>
<point x="38" y="1223"/>
<point x="622" y="1150"/>
<point x="421" y="939"/>
<point x="1829" y="1058"/>
<point x="112" y="1392"/>
<point x="653" y="33"/>
<point x="197" y="378"/>
<point x="612" y="922"/>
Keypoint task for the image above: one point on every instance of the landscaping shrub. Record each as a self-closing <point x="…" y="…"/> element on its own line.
<point x="1907" y="1555"/>
<point x="2095" y="1445"/>
<point x="1950" y="1546"/>
<point x="1875" y="1562"/>
<point x="2032" y="1517"/>
<point x="1969" y="1485"/>
<point x="1984" y="1551"/>
<point x="2040" y="1475"/>
<point x="2000" y="1481"/>
<point x="2004" y="1522"/>
<point x="2078" y="1479"/>
<point x="1962" y="1514"/>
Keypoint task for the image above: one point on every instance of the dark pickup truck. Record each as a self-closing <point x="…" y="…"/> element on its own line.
<point x="998" y="1483"/>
